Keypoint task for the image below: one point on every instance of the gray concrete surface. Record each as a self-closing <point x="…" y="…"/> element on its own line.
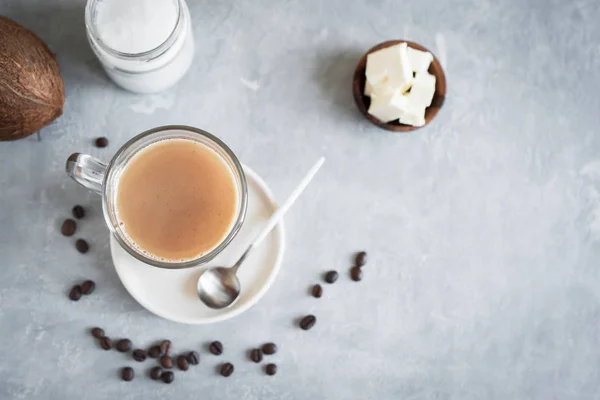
<point x="483" y="229"/>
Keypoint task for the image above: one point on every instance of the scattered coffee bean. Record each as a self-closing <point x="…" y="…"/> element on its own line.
<point x="360" y="259"/>
<point x="75" y="293"/>
<point x="331" y="276"/>
<point x="271" y="369"/>
<point x="97" y="332"/>
<point x="88" y="287"/>
<point x="101" y="142"/>
<point x="269" y="348"/>
<point x="82" y="246"/>
<point x="154" y="352"/>
<point x="68" y="227"/>
<point x="165" y="347"/>
<point x="227" y="369"/>
<point x="216" y="348"/>
<point x="193" y="358"/>
<point x="78" y="212"/>
<point x="308" y="322"/>
<point x="168" y="376"/>
<point x="123" y="345"/>
<point x="105" y="343"/>
<point x="166" y="362"/>
<point x="256" y="355"/>
<point x="356" y="273"/>
<point x="127" y="374"/>
<point x="156" y="373"/>
<point x="182" y="363"/>
<point x="317" y="291"/>
<point x="139" y="355"/>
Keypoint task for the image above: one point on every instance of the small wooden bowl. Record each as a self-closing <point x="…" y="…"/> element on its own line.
<point x="363" y="102"/>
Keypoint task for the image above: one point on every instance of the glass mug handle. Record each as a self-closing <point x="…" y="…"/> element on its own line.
<point x="87" y="171"/>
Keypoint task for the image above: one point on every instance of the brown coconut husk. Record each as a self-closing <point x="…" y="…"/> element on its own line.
<point x="32" y="92"/>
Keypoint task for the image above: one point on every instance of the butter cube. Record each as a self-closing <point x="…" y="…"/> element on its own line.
<point x="391" y="63"/>
<point x="368" y="89"/>
<point x="422" y="90"/>
<point x="380" y="89"/>
<point x="388" y="107"/>
<point x="419" y="60"/>
<point x="415" y="116"/>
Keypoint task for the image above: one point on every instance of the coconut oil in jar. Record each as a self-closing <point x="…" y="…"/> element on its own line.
<point x="145" y="46"/>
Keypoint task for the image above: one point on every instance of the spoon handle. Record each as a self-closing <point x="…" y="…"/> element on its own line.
<point x="281" y="210"/>
<point x="288" y="203"/>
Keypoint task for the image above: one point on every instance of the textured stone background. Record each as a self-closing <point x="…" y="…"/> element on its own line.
<point x="483" y="229"/>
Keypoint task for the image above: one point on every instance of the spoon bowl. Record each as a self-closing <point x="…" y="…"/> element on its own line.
<point x="218" y="287"/>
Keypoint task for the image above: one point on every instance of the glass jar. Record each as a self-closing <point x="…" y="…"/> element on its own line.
<point x="150" y="70"/>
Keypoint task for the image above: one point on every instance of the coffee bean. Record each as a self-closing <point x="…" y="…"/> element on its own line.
<point x="356" y="273"/>
<point x="227" y="369"/>
<point x="105" y="343"/>
<point x="75" y="293"/>
<point x="127" y="374"/>
<point x="123" y="345"/>
<point x="317" y="291"/>
<point x="168" y="376"/>
<point x="78" y="212"/>
<point x="88" y="287"/>
<point x="271" y="369"/>
<point x="165" y="347"/>
<point x="156" y="373"/>
<point x="269" y="348"/>
<point x="68" y="227"/>
<point x="193" y="358"/>
<point x="101" y="142"/>
<point x="82" y="246"/>
<point x="139" y="355"/>
<point x="360" y="259"/>
<point x="308" y="322"/>
<point x="166" y="362"/>
<point x="182" y="363"/>
<point x="256" y="355"/>
<point x="331" y="276"/>
<point x="97" y="332"/>
<point x="154" y="352"/>
<point x="216" y="348"/>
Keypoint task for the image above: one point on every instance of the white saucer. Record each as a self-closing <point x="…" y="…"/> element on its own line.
<point x="171" y="294"/>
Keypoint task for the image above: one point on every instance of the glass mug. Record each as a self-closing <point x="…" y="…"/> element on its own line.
<point x="104" y="178"/>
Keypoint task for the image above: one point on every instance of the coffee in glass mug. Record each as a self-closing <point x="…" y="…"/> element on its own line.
<point x="173" y="196"/>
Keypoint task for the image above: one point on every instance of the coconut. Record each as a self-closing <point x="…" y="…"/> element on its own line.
<point x="32" y="93"/>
